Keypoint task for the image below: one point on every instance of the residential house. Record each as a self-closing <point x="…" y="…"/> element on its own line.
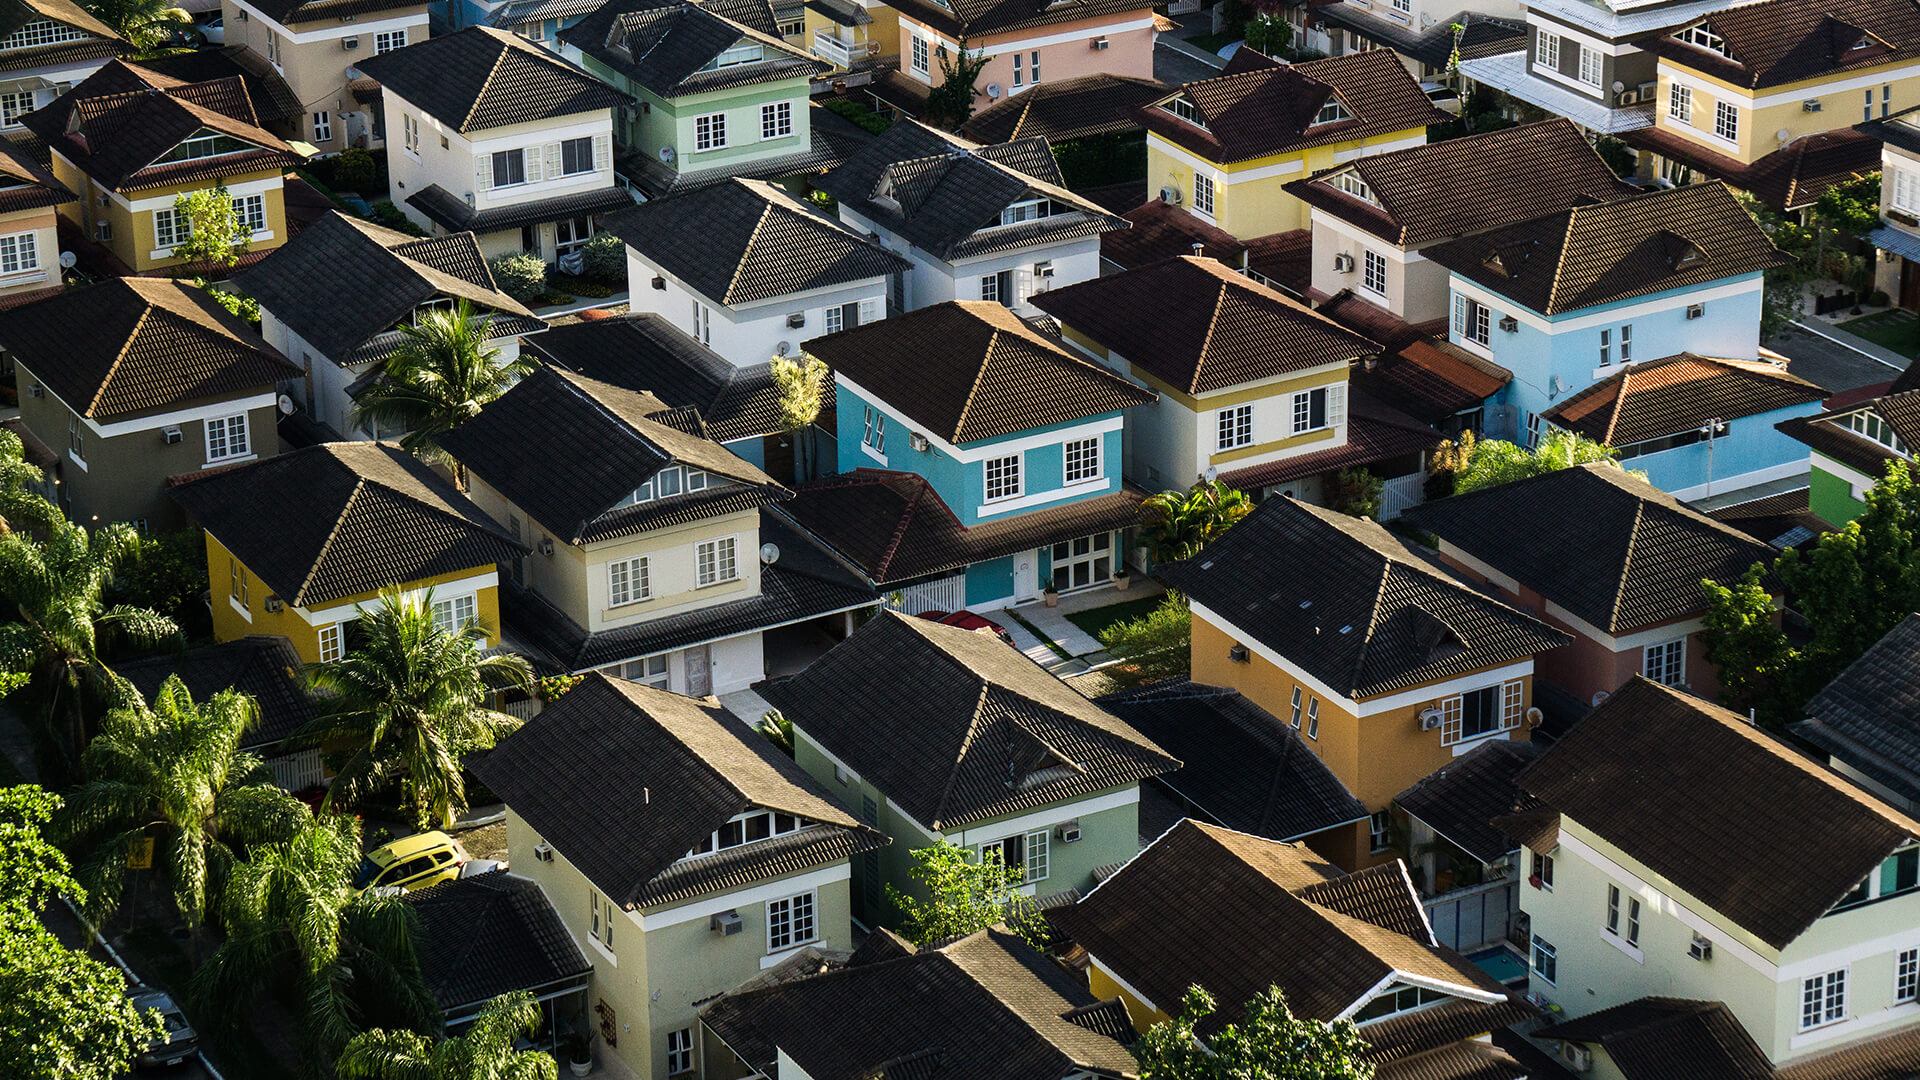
<point x="739" y="407"/>
<point x="264" y="667"/>
<point x="986" y="473"/>
<point x="1372" y="217"/>
<point x="1671" y="891"/>
<point x="683" y="852"/>
<point x="1024" y="45"/>
<point x="1641" y="1038"/>
<point x="129" y="147"/>
<point x="496" y="933"/>
<point x="1761" y="95"/>
<point x="1203" y="154"/>
<point x="1698" y="426"/>
<point x="1897" y="271"/>
<point x="1390" y="666"/>
<point x="29" y="225"/>
<point x="849" y="34"/>
<point x="1252" y="385"/>
<point x="1429" y="38"/>
<point x="350" y="520"/>
<point x="716" y="92"/>
<point x="317" y="46"/>
<point x="1067" y="110"/>
<point x="1606" y="557"/>
<point x="649" y="546"/>
<point x="341" y="347"/>
<point x="1864" y="719"/>
<point x="719" y="261"/>
<point x="1852" y="442"/>
<point x="975" y="222"/>
<point x="1001" y="757"/>
<point x="53" y="45"/>
<point x="987" y="1004"/>
<point x="1564" y="300"/>
<point x="501" y="139"/>
<point x="1241" y="767"/>
<point x="141" y="380"/>
<point x="1458" y="856"/>
<point x="1339" y="946"/>
<point x="275" y="103"/>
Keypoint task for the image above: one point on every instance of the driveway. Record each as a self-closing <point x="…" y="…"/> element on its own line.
<point x="1173" y="67"/>
<point x="1829" y="364"/>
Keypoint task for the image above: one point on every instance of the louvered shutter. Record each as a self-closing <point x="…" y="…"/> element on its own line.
<point x="534" y="167"/>
<point x="602" y="153"/>
<point x="556" y="164"/>
<point x="1336" y="404"/>
<point x="483" y="172"/>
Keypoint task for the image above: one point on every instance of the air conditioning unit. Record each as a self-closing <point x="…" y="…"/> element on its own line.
<point x="1237" y="654"/>
<point x="349" y="43"/>
<point x="1170" y="196"/>
<point x="796" y="320"/>
<point x="1099" y="44"/>
<point x="918" y="441"/>
<point x="1700" y="948"/>
<point x="660" y="283"/>
<point x="1343" y="263"/>
<point x="1579" y="1058"/>
<point x="1068" y="832"/>
<point x="1509" y="324"/>
<point x="543" y="852"/>
<point x="36" y="390"/>
<point x="1630" y="97"/>
<point x="1429" y="718"/>
<point x="274" y="604"/>
<point x="546" y="546"/>
<point x="726" y="924"/>
<point x="1810" y="105"/>
<point x="1694" y="311"/>
<point x="172" y="434"/>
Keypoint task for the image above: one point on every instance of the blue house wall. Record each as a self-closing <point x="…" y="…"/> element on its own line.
<point x="1751" y="445"/>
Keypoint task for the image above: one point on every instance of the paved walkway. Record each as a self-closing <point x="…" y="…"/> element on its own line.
<point x="1821" y="328"/>
<point x="746" y="705"/>
<point x="1086" y="651"/>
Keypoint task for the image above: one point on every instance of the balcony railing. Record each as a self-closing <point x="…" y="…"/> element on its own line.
<point x="840" y="52"/>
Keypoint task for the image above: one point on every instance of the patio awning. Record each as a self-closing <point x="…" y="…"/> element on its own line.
<point x="1899" y="241"/>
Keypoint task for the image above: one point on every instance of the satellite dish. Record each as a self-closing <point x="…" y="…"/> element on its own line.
<point x="666" y="154"/>
<point x="769" y="554"/>
<point x="993" y="90"/>
<point x="67" y="259"/>
<point x="782" y="348"/>
<point x="1618" y="86"/>
<point x="1212" y="474"/>
<point x="285" y="403"/>
<point x="1783" y="134"/>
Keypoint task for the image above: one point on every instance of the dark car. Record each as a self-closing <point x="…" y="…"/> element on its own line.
<point x="180" y="1042"/>
<point x="967" y="620"/>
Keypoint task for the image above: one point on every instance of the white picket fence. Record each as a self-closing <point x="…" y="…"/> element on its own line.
<point x="298" y="771"/>
<point x="944" y="594"/>
<point x="1403" y="493"/>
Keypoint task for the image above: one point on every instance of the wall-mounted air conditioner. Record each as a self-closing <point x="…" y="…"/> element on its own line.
<point x="349" y="43"/>
<point x="1343" y="263"/>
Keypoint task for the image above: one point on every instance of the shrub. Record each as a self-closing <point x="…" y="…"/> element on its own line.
<point x="353" y="170"/>
<point x="238" y="303"/>
<point x="859" y="114"/>
<point x="520" y="275"/>
<point x="604" y="258"/>
<point x="385" y="213"/>
<point x="1357" y="493"/>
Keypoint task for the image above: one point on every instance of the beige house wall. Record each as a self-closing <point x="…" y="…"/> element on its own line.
<point x="315" y="61"/>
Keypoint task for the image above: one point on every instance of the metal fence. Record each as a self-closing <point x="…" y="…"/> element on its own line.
<point x="1474" y="917"/>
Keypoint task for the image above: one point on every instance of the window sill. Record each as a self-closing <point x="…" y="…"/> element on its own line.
<point x="1618" y="942"/>
<point x="234" y="603"/>
<point x="1466" y="745"/>
<point x="775" y="956"/>
<point x="872" y="453"/>
<point x="1084" y="483"/>
<point x="75" y="458"/>
<point x="234" y="460"/>
<point x="720" y="582"/>
<point x="23" y="277"/>
<point x="635" y="602"/>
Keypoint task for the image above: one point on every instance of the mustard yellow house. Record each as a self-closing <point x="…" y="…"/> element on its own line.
<point x="129" y="141"/>
<point x="297" y="544"/>
<point x="1223" y="148"/>
<point x="1763" y="96"/>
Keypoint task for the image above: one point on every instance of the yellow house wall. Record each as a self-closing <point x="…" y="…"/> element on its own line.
<point x="230" y="624"/>
<point x="43" y="222"/>
<point x="1143" y="1015"/>
<point x="133" y="239"/>
<point x="1247" y="201"/>
<point x="1760" y="127"/>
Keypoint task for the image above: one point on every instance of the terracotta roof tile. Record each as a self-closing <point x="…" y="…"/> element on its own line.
<point x="1784" y="41"/>
<point x="1658" y="398"/>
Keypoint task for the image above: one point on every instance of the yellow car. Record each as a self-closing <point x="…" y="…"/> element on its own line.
<point x="411" y="862"/>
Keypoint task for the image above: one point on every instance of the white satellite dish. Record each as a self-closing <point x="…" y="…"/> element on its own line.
<point x="782" y="348"/>
<point x="1212" y="473"/>
<point x="285" y="403"/>
<point x="666" y="153"/>
<point x="769" y="554"/>
<point x="67" y="259"/>
<point x="993" y="90"/>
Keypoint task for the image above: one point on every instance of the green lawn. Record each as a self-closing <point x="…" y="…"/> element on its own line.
<point x="1095" y="620"/>
<point x="1898" y="330"/>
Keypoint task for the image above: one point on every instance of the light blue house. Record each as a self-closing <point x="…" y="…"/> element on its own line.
<point x="980" y="460"/>
<point x="1697" y="425"/>
<point x="1566" y="300"/>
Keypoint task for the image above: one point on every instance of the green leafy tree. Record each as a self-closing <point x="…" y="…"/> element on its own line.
<point x="521" y="275"/>
<point x="485" y="1052"/>
<point x="1184" y="522"/>
<point x="963" y="896"/>
<point x="1270" y="1043"/>
<point x="441" y="376"/>
<point x="1495" y="461"/>
<point x="802" y="385"/>
<point x="146" y="24"/>
<point x="214" y="232"/>
<point x="175" y="774"/>
<point x="1155" y="646"/>
<point x="295" y="922"/>
<point x="778" y="730"/>
<point x="238" y="304"/>
<point x="1269" y="32"/>
<point x="604" y="258"/>
<point x="63" y="1015"/>
<point x="1851" y="209"/>
<point x="1357" y="493"/>
<point x="951" y="103"/>
<point x="1784" y="287"/>
<point x="407" y="703"/>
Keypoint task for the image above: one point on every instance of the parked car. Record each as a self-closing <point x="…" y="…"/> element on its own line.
<point x="411" y="862"/>
<point x="180" y="1041"/>
<point x="967" y="620"/>
<point x="214" y="30"/>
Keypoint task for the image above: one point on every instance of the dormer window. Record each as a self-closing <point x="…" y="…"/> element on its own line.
<point x="1705" y="39"/>
<point x="41" y="32"/>
<point x="668" y="482"/>
<point x="1351" y="183"/>
<point x="206" y="143"/>
<point x="1898" y="873"/>
<point x="1400" y="999"/>
<point x="750" y="827"/>
<point x="1029" y="210"/>
<point x="1331" y="112"/>
<point x="1867" y="424"/>
<point x="744" y="52"/>
<point x="1185" y="110"/>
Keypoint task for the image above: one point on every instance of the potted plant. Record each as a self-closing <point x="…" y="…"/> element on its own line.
<point x="1051" y="597"/>
<point x="578" y="1045"/>
<point x="1122" y="579"/>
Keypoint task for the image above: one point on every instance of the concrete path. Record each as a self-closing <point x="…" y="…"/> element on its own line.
<point x="746" y="705"/>
<point x="1175" y="62"/>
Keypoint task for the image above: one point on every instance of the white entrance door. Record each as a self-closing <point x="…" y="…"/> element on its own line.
<point x="1026" y="577"/>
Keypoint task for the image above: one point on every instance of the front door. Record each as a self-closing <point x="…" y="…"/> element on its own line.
<point x="1026" y="577"/>
<point x="699" y="671"/>
<point x="1909" y="284"/>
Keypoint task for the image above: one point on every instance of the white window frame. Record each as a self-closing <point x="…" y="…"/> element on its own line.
<point x="389" y="40"/>
<point x="332" y="641"/>
<point x="1549" y="51"/>
<point x="1003" y="477"/>
<point x="1233" y="427"/>
<point x="679" y="1052"/>
<point x="1302" y="410"/>
<point x="169" y="228"/>
<point x="250" y="213"/>
<point x="1509" y="698"/>
<point x="501" y="161"/>
<point x="410" y="133"/>
<point x="221" y="439"/>
<point x="1373" y="275"/>
<point x="1906" y="976"/>
<point x="1665" y="662"/>
<point x="454" y="620"/>
<point x="19" y="253"/>
<point x="919" y="56"/>
<point x="1823" y="999"/>
<point x="1296" y="708"/>
<point x="653" y="670"/>
<point x="776" y="120"/>
<point x="716" y="562"/>
<point x="1019" y="74"/>
<point x="1203" y="194"/>
<point x="1313" y="718"/>
<point x="710" y="132"/>
<point x="629" y="581"/>
<point x="323" y="126"/>
<point x="1680" y="102"/>
<point x="1472" y="320"/>
<point x="875" y="435"/>
<point x="1549" y="971"/>
<point x="576" y="143"/>
<point x="783" y="915"/>
<point x="1593" y="71"/>
<point x="1380" y="830"/>
<point x="1080" y="461"/>
<point x="1726" y="121"/>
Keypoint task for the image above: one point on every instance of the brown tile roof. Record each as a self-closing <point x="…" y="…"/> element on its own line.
<point x="1433" y="380"/>
<point x="1700" y="796"/>
<point x="481" y="78"/>
<point x="1461" y="186"/>
<point x="1681" y="393"/>
<point x="1164" y="231"/>
<point x="1142" y="925"/>
<point x="1663" y="1037"/>
<point x="1066" y="109"/>
<point x="350" y="518"/>
<point x="975" y="18"/>
<point x="993" y="732"/>
<point x="626" y="780"/>
<point x="1375" y="432"/>
<point x="1363" y="316"/>
<point x="979" y="372"/>
<point x="1785" y="41"/>
<point x="894" y="526"/>
<point x="1794" y="176"/>
<point x="1599" y="254"/>
<point x="1460" y="800"/>
<point x="1198" y="326"/>
<point x="1270" y="110"/>
<point x="136" y="346"/>
<point x="25" y="184"/>
<point x="1284" y="259"/>
<point x="1857" y="452"/>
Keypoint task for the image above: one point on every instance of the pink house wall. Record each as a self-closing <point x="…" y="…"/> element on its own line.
<point x="1128" y="52"/>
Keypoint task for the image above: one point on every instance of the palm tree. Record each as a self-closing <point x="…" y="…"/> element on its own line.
<point x="146" y="24"/>
<point x="291" y="910"/>
<point x="1185" y="522"/>
<point x="485" y="1052"/>
<point x="408" y="704"/>
<point x="441" y="376"/>
<point x="54" y="582"/>
<point x="175" y="774"/>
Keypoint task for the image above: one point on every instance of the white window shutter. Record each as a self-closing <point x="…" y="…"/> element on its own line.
<point x="555" y="163"/>
<point x="483" y="172"/>
<point x="869" y="310"/>
<point x="532" y="155"/>
<point x="602" y="153"/>
<point x="1459" y="315"/>
<point x="1023" y="284"/>
<point x="1336" y="404"/>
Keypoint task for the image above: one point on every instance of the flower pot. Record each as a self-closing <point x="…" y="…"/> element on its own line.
<point x="580" y="1068"/>
<point x="1052" y="598"/>
<point x="1122" y="581"/>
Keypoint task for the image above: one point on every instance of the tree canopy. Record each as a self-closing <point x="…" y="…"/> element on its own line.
<point x="1484" y="463"/>
<point x="1269" y="1043"/>
<point x="1183" y="522"/>
<point x="963" y="896"/>
<point x="214" y="233"/>
<point x="484" y="1052"/>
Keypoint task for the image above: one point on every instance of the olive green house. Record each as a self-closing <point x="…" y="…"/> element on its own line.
<point x="932" y="733"/>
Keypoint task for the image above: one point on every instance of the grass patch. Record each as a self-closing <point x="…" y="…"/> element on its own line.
<point x="859" y="114"/>
<point x="1059" y="651"/>
<point x="1213" y="43"/>
<point x="1898" y="330"/>
<point x="1096" y="620"/>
